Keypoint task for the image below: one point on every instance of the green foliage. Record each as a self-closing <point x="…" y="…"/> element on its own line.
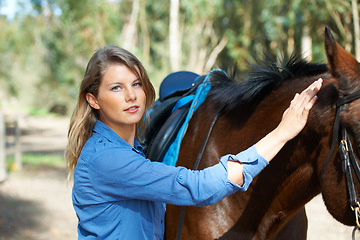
<point x="45" y="48"/>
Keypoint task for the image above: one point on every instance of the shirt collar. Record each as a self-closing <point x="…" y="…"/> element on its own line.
<point x="102" y="129"/>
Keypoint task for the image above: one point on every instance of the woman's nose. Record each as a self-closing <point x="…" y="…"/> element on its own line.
<point x="130" y="95"/>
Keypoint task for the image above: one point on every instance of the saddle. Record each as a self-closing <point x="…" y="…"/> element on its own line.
<point x="165" y="121"/>
<point x="169" y="120"/>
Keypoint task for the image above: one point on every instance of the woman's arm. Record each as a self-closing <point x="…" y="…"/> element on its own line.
<point x="293" y="121"/>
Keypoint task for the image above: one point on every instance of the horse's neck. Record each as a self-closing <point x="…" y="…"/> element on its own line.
<point x="290" y="179"/>
<point x="287" y="183"/>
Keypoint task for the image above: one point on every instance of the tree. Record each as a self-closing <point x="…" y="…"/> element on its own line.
<point x="129" y="31"/>
<point x="174" y="36"/>
<point x="203" y="40"/>
<point x="50" y="43"/>
<point x="355" y="11"/>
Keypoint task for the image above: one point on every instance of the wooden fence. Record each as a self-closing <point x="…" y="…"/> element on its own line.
<point x="9" y="143"/>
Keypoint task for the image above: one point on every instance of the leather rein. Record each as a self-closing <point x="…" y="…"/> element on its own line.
<point x="348" y="159"/>
<point x="200" y="154"/>
<point x="195" y="167"/>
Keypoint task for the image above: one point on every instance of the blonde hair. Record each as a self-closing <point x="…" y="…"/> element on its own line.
<point x="84" y="116"/>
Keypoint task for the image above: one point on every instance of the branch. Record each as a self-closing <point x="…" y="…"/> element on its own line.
<point x="215" y="52"/>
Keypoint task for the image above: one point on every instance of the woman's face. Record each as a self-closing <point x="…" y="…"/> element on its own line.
<point x="121" y="98"/>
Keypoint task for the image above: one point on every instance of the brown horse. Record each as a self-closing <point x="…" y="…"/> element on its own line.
<point x="273" y="206"/>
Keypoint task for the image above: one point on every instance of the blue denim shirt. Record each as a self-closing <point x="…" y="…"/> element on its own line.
<point x="119" y="194"/>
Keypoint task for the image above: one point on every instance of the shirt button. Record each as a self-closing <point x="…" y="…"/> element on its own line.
<point x="180" y="177"/>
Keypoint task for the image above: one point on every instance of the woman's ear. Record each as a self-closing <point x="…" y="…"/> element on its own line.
<point x="91" y="99"/>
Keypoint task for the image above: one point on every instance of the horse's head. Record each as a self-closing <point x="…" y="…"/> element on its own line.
<point x="345" y="76"/>
<point x="346" y="69"/>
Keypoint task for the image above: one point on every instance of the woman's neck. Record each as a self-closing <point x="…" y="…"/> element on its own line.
<point x="126" y="132"/>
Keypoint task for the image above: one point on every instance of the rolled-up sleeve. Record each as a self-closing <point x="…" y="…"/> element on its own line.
<point x="254" y="163"/>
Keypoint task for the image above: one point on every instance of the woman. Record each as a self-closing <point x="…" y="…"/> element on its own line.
<point x="118" y="193"/>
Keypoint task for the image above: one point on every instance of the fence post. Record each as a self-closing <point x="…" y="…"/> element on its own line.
<point x="13" y="132"/>
<point x="2" y="148"/>
<point x="17" y="144"/>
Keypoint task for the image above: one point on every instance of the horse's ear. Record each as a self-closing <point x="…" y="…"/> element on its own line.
<point x="340" y="62"/>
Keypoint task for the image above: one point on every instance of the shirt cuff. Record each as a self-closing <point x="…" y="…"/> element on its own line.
<point x="254" y="163"/>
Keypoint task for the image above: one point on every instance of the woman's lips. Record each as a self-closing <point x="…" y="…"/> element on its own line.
<point x="132" y="109"/>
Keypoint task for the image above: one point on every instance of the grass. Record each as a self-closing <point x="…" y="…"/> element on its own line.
<point x="36" y="160"/>
<point x="37" y="112"/>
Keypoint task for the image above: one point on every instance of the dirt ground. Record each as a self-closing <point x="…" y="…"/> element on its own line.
<point x="35" y="204"/>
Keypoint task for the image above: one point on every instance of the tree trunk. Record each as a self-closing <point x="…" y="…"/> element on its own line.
<point x="306" y="40"/>
<point x="291" y="41"/>
<point x="145" y="33"/>
<point x="356" y="28"/>
<point x="306" y="43"/>
<point x="129" y="30"/>
<point x="174" y="40"/>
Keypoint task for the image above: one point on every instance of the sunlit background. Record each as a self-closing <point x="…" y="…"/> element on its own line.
<point x="46" y="44"/>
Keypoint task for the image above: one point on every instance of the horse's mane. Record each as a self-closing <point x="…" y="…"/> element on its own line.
<point x="264" y="76"/>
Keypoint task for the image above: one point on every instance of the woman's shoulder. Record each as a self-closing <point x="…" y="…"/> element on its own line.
<point x="98" y="144"/>
<point x="103" y="155"/>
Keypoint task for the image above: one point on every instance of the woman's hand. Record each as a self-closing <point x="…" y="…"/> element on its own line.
<point x="293" y="121"/>
<point x="295" y="117"/>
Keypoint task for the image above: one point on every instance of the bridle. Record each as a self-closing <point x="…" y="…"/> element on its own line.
<point x="348" y="159"/>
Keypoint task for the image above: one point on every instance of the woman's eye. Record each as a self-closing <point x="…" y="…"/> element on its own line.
<point x="137" y="84"/>
<point x="116" y="88"/>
